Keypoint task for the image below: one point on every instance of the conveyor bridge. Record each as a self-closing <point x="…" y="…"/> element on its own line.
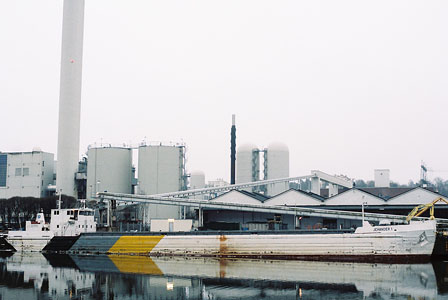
<point x="285" y="210"/>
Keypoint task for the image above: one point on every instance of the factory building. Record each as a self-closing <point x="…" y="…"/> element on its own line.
<point x="349" y="200"/>
<point x="109" y="169"/>
<point x="382" y="177"/>
<point x="26" y="174"/>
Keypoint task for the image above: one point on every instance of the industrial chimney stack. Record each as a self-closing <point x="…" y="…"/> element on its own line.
<point x="232" y="151"/>
<point x="70" y="97"/>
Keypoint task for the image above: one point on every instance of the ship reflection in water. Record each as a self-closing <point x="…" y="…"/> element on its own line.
<point x="37" y="276"/>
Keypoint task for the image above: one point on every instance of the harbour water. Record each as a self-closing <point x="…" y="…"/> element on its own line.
<point x="38" y="276"/>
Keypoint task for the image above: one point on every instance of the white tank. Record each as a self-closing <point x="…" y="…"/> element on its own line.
<point x="277" y="164"/>
<point x="246" y="163"/>
<point x="109" y="169"/>
<point x="160" y="170"/>
<point x="197" y="180"/>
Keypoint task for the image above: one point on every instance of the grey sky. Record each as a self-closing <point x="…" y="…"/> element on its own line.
<point x="349" y="86"/>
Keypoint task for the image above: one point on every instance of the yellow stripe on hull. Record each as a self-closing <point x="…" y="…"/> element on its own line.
<point x="135" y="244"/>
<point x="135" y="264"/>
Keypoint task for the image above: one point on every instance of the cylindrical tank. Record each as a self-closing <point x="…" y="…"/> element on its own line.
<point x="277" y="166"/>
<point x="197" y="180"/>
<point x="160" y="169"/>
<point x="109" y="169"/>
<point x="247" y="163"/>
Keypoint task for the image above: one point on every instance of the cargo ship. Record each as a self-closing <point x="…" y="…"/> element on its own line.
<point x="413" y="241"/>
<point x="65" y="223"/>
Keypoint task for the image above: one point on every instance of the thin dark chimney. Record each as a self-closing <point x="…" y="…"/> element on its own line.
<point x="232" y="151"/>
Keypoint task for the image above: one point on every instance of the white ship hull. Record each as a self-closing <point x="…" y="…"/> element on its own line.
<point x="406" y="241"/>
<point x="28" y="243"/>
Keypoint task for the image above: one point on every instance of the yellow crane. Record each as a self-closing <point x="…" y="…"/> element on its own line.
<point x="419" y="210"/>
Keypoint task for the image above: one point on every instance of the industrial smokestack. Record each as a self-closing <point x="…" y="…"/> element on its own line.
<point x="232" y="151"/>
<point x="70" y="96"/>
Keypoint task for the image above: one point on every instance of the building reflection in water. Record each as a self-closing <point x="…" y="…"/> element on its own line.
<point x="37" y="276"/>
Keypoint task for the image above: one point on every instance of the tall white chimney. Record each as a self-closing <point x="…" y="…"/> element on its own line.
<point x="70" y="96"/>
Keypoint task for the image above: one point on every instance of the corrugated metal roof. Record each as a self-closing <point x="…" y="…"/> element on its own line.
<point x="387" y="193"/>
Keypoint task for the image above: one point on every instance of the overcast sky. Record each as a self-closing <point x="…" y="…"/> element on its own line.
<point x="349" y="86"/>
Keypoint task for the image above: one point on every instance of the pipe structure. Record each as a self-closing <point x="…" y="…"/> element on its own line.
<point x="262" y="208"/>
<point x="232" y="151"/>
<point x="70" y="96"/>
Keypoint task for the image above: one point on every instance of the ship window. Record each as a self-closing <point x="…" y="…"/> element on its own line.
<point x="18" y="171"/>
<point x="85" y="213"/>
<point x="3" y="169"/>
<point x="57" y="226"/>
<point x="68" y="213"/>
<point x="26" y="171"/>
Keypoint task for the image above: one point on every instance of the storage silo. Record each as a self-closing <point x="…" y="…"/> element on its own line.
<point x="276" y="166"/>
<point x="247" y="164"/>
<point x="161" y="169"/>
<point x="109" y="169"/>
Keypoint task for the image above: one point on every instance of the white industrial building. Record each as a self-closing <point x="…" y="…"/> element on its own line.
<point x="382" y="177"/>
<point x="26" y="174"/>
<point x="109" y="169"/>
<point x="349" y="200"/>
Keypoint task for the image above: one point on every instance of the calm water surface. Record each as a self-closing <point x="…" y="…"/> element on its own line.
<point x="37" y="276"/>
